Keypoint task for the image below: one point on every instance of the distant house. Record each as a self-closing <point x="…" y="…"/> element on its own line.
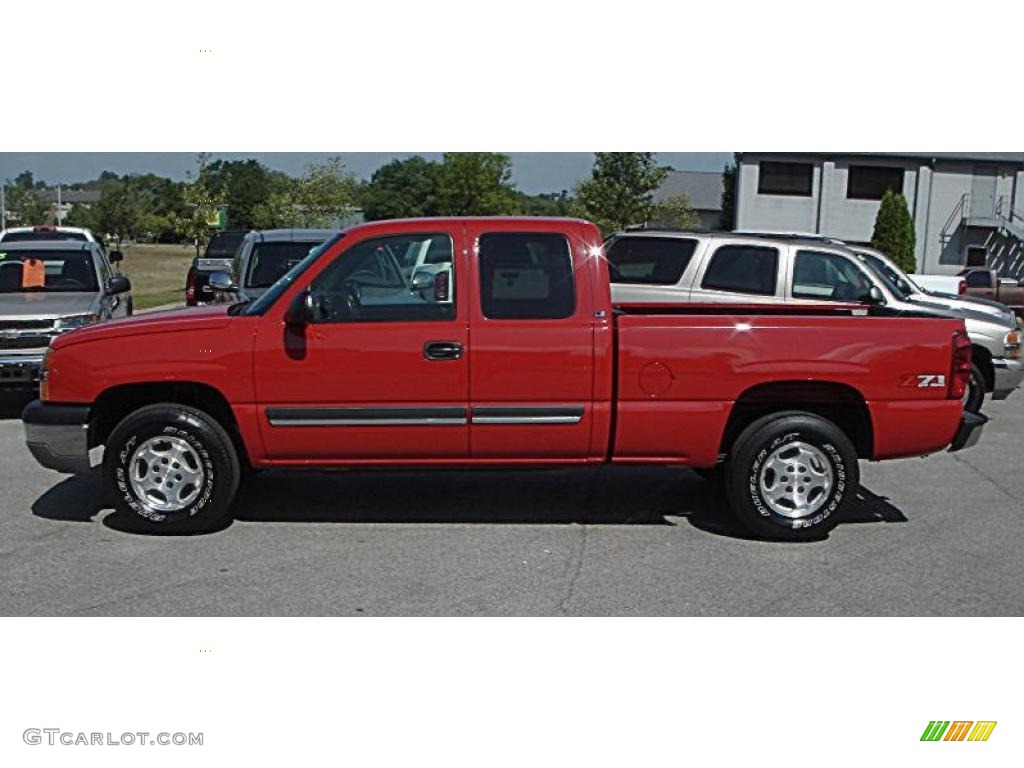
<point x="967" y="207"/>
<point x="703" y="188"/>
<point x="63" y="200"/>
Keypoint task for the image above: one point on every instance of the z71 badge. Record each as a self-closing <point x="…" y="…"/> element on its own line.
<point x="924" y="380"/>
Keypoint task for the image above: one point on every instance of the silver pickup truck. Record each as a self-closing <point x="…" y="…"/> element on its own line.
<point x="49" y="287"/>
<point x="678" y="266"/>
<point x="262" y="257"/>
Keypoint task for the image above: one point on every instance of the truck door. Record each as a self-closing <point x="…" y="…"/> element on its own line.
<point x="381" y="374"/>
<point x="532" y="339"/>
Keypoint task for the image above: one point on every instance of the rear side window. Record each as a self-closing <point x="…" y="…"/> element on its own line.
<point x="526" y="276"/>
<point x="743" y="269"/>
<point x="648" y="260"/>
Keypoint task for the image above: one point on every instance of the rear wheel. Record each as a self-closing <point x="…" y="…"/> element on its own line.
<point x="790" y="476"/>
<point x="173" y="468"/>
<point x="974" y="394"/>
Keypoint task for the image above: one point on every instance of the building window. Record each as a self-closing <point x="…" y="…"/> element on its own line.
<point x="785" y="179"/>
<point x="870" y="182"/>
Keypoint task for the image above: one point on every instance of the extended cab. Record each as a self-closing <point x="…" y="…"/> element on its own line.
<point x="989" y="285"/>
<point x="508" y="352"/>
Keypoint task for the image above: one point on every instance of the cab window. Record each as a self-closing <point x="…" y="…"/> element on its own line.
<point x="399" y="277"/>
<point x="828" y="277"/>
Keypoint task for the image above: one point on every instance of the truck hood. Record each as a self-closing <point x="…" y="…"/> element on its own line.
<point x="169" y="321"/>
<point x="969" y="303"/>
<point x="964" y="313"/>
<point x="44" y="306"/>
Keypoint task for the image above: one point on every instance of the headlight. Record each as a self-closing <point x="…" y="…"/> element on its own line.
<point x="75" y="321"/>
<point x="1012" y="343"/>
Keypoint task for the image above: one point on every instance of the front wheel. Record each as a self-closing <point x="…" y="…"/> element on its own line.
<point x="791" y="476"/>
<point x="173" y="468"/>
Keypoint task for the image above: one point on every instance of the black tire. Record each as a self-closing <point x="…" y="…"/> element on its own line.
<point x="974" y="398"/>
<point x="768" y="437"/>
<point x="212" y="446"/>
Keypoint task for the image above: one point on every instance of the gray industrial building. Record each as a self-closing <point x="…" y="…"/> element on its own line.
<point x="968" y="207"/>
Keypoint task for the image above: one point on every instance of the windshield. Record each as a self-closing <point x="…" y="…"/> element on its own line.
<point x="46" y="271"/>
<point x="42" y="234"/>
<point x="264" y="302"/>
<point x="892" y="279"/>
<point x="268" y="262"/>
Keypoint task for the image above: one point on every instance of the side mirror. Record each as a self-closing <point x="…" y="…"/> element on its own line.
<point x="221" y="281"/>
<point x="875" y="295"/>
<point x="422" y="281"/>
<point x="116" y="257"/>
<point x="302" y="310"/>
<point x="119" y="284"/>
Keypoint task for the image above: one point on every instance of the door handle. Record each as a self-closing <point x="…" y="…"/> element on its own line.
<point x="442" y="350"/>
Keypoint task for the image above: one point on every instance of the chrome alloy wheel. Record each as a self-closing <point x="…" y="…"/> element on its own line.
<point x="166" y="474"/>
<point x="795" y="480"/>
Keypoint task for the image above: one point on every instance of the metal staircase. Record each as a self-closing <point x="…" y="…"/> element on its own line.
<point x="1004" y="224"/>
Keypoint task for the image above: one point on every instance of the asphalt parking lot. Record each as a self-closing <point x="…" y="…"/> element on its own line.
<point x="935" y="536"/>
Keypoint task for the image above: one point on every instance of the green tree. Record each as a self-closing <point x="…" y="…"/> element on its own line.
<point x="243" y="185"/>
<point x="324" y="194"/>
<point x="25" y="180"/>
<point x="620" y="190"/>
<point x="80" y="215"/>
<point x="894" y="231"/>
<point x="321" y="197"/>
<point x="117" y="215"/>
<point x="476" y="184"/>
<point x="27" y="206"/>
<point x="674" y="213"/>
<point x="199" y="204"/>
<point x="546" y="204"/>
<point x="727" y="219"/>
<point x="401" y="189"/>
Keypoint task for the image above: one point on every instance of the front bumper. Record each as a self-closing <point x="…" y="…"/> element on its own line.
<point x="20" y="370"/>
<point x="969" y="432"/>
<point x="1008" y="376"/>
<point x="58" y="435"/>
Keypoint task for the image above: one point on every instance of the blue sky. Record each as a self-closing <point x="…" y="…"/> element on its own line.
<point x="533" y="172"/>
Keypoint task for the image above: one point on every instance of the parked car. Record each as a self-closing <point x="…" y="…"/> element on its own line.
<point x="263" y="257"/>
<point x="46" y="232"/>
<point x="219" y="253"/>
<point x="345" y="362"/>
<point x="992" y="327"/>
<point x="673" y="266"/>
<point x="987" y="284"/>
<point x="46" y="289"/>
<point x="949" y="285"/>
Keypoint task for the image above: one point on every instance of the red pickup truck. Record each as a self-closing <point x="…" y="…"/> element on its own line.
<point x="494" y="341"/>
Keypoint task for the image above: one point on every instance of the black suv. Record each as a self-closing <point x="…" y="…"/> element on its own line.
<point x="217" y="258"/>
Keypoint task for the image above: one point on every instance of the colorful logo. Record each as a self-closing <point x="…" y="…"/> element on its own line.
<point x="958" y="730"/>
